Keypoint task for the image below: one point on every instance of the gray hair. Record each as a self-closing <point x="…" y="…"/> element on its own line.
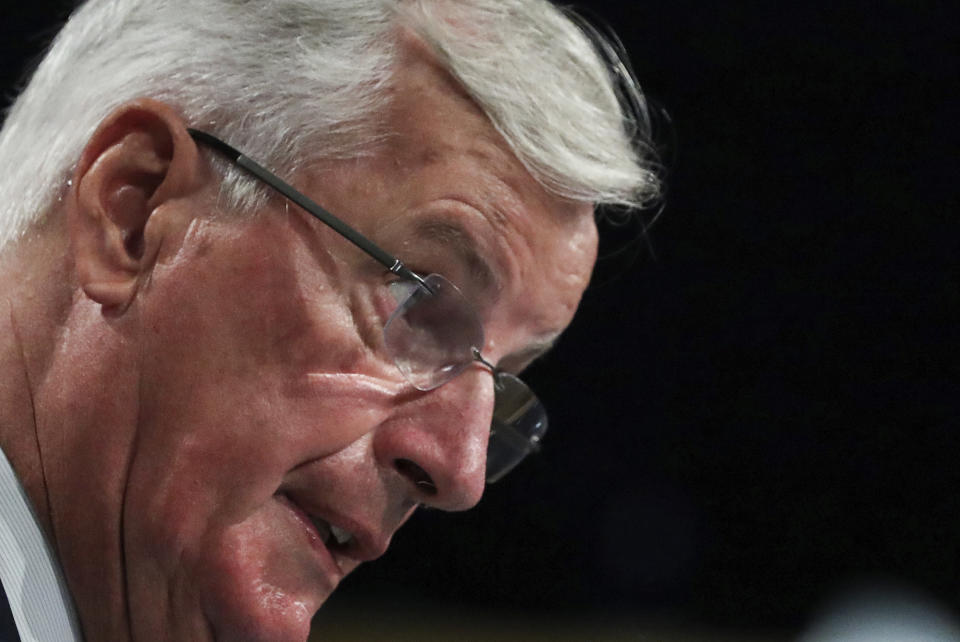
<point x="294" y="81"/>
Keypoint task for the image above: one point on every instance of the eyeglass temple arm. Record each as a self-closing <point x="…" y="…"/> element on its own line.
<point x="389" y="261"/>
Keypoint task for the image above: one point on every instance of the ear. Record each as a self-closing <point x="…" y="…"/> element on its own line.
<point x="140" y="161"/>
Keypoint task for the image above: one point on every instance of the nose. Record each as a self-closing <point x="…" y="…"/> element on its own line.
<point x="437" y="441"/>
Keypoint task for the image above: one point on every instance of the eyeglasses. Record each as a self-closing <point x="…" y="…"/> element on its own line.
<point x="433" y="335"/>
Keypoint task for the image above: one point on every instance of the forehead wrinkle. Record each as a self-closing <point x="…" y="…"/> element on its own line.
<point x="452" y="234"/>
<point x="498" y="180"/>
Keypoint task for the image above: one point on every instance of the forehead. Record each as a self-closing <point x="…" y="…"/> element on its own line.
<point x="446" y="138"/>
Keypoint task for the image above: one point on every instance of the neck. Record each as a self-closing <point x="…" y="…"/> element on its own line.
<point x="64" y="388"/>
<point x="28" y="320"/>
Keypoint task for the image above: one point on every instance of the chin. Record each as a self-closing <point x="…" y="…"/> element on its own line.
<point x="277" y="618"/>
<point x="261" y="581"/>
<point x="260" y="612"/>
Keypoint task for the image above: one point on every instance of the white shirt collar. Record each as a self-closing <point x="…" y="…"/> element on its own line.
<point x="31" y="575"/>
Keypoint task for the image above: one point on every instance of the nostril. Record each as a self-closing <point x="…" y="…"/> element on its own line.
<point x="417" y="475"/>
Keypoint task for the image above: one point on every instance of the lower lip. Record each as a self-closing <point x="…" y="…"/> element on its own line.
<point x="329" y="564"/>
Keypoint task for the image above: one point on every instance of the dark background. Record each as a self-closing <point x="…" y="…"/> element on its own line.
<point x="763" y="408"/>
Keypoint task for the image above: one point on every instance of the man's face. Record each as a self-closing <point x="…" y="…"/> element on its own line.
<point x="267" y="403"/>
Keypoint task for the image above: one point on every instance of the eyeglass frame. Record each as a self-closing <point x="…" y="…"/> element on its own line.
<point x="393" y="264"/>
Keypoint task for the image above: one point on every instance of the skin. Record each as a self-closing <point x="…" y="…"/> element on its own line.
<point x="182" y="384"/>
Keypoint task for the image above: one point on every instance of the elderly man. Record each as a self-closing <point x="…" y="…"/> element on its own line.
<point x="224" y="386"/>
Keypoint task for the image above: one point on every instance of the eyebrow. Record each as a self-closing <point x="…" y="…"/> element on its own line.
<point x="453" y="234"/>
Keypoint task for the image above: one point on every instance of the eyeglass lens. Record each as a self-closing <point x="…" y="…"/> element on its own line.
<point x="431" y="336"/>
<point x="519" y="423"/>
<point x="431" y="333"/>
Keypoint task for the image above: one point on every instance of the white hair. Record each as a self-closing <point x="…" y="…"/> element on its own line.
<point x="293" y="81"/>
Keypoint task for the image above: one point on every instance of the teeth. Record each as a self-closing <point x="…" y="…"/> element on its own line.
<point x="328" y="531"/>
<point x="323" y="528"/>
<point x="340" y="535"/>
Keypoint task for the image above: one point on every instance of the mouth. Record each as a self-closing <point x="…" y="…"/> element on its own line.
<point x="331" y="541"/>
<point x="333" y="537"/>
<point x="341" y="538"/>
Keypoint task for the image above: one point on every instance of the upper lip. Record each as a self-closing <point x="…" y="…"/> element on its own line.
<point x="367" y="543"/>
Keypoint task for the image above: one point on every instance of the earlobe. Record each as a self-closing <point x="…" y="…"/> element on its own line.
<point x="139" y="161"/>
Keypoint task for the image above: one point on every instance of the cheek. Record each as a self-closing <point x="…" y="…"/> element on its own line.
<point x="237" y="390"/>
<point x="202" y="513"/>
<point x="236" y="393"/>
<point x="224" y="340"/>
<point x="252" y="295"/>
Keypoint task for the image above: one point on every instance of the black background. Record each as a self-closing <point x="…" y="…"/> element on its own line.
<point x="763" y="408"/>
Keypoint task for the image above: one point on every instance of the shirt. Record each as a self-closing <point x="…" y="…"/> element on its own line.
<point x="31" y="575"/>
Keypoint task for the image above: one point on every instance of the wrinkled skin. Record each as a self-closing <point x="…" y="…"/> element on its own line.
<point x="209" y="384"/>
